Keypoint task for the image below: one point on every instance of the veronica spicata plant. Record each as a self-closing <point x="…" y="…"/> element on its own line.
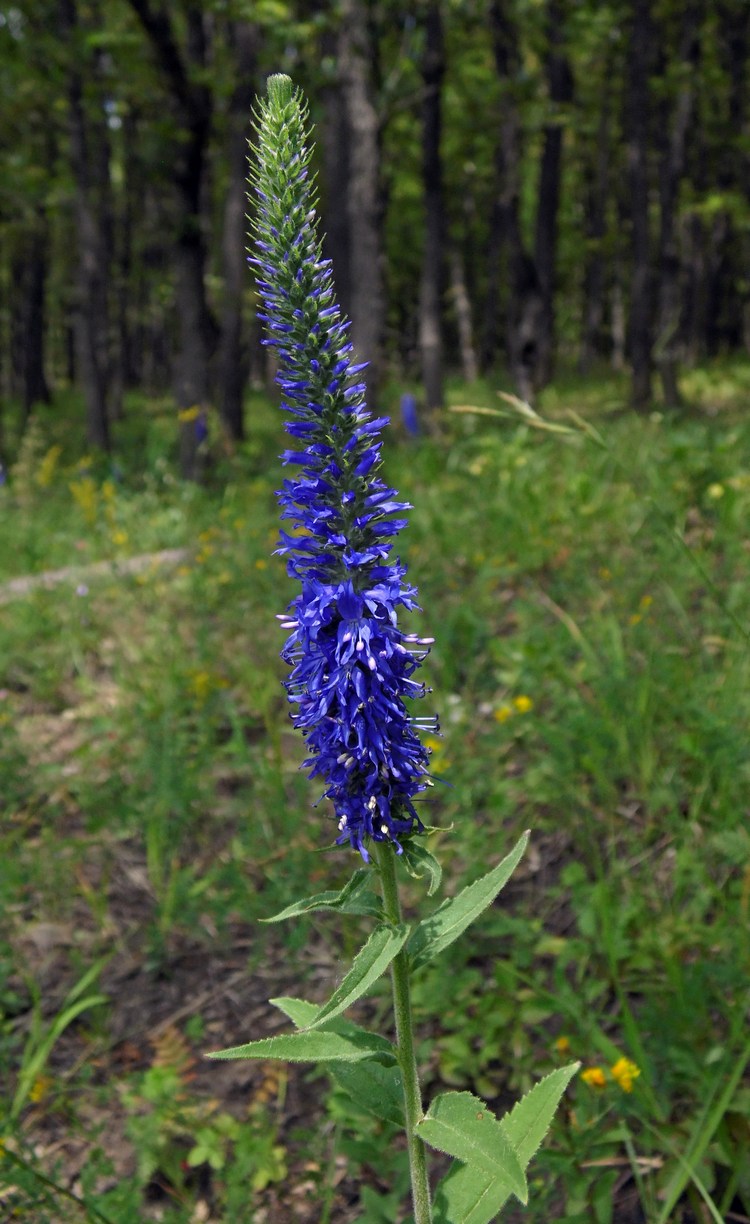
<point x="351" y="685"/>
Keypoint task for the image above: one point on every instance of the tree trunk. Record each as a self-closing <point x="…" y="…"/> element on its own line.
<point x="28" y="279"/>
<point x="560" y="89"/>
<point x="672" y="171"/>
<point x="430" y="314"/>
<point x="89" y="148"/>
<point x="596" y="173"/>
<point x="637" y="122"/>
<point x="233" y="358"/>
<point x="363" y="185"/>
<point x="462" y="309"/>
<point x="525" y="308"/>
<point x="192" y="104"/>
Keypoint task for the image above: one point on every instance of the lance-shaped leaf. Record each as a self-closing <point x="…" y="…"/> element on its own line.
<point x="419" y="862"/>
<point x="356" y="897"/>
<point x="453" y="917"/>
<point x="318" y="1046"/>
<point x="461" y="1125"/>
<point x="529" y="1120"/>
<point x="468" y="1195"/>
<point x="375" y="1088"/>
<point x="300" y="1012"/>
<point x="367" y="966"/>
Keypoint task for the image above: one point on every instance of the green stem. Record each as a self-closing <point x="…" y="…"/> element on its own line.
<point x="405" y="1042"/>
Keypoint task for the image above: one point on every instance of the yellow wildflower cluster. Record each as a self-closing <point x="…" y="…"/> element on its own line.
<point x="643" y="607"/>
<point x="86" y="496"/>
<point x="519" y="705"/>
<point x="624" y="1072"/>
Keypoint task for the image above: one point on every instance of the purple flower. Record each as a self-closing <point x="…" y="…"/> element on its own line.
<point x="352" y="665"/>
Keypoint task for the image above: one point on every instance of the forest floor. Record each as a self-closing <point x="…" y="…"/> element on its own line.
<point x="588" y="596"/>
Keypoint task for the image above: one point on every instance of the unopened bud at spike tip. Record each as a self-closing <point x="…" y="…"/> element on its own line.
<point x="280" y="89"/>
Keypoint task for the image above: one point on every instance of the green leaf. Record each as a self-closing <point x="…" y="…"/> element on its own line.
<point x="321" y="1046"/>
<point x="367" y="966"/>
<point x="301" y="1013"/>
<point x="468" y="1195"/>
<point x="375" y="1088"/>
<point x="461" y="1125"/>
<point x="529" y="1120"/>
<point x="419" y="863"/>
<point x="453" y="917"/>
<point x="356" y="897"/>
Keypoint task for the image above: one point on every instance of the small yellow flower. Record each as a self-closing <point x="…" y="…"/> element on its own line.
<point x="646" y="602"/>
<point x="120" y="538"/>
<point x="261" y="563"/>
<point x="46" y="470"/>
<point x="189" y="414"/>
<point x="594" y="1077"/>
<point x="503" y="713"/>
<point x="40" y="1088"/>
<point x="624" y="1072"/>
<point x="200" y="685"/>
<point x="562" y="1045"/>
<point x="523" y="703"/>
<point x="715" y="491"/>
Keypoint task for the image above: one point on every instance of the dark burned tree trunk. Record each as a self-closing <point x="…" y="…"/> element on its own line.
<point x="430" y="313"/>
<point x="560" y="90"/>
<point x="89" y="149"/>
<point x="672" y="169"/>
<point x="525" y="309"/>
<point x="596" y="188"/>
<point x="637" y="124"/>
<point x="28" y="313"/>
<point x="183" y="69"/>
<point x="233" y="358"/>
<point x="367" y="296"/>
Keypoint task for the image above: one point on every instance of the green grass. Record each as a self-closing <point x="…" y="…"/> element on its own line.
<point x="589" y="600"/>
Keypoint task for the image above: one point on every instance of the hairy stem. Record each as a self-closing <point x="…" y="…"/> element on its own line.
<point x="405" y="1042"/>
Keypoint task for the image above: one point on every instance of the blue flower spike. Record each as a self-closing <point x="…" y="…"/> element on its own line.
<point x="352" y="667"/>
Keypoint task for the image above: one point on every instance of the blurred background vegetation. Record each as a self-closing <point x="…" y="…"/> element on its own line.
<point x="547" y="199"/>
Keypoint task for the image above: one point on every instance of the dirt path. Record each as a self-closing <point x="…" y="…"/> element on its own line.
<point x="16" y="588"/>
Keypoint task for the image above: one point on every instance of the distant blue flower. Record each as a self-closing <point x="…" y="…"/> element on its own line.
<point x="409" y="415"/>
<point x="352" y="666"/>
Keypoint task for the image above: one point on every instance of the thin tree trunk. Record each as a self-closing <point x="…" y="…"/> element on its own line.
<point x="366" y="273"/>
<point x="596" y="174"/>
<point x="560" y="89"/>
<point x="640" y="331"/>
<point x="525" y="306"/>
<point x="672" y="171"/>
<point x="462" y="309"/>
<point x="90" y="167"/>
<point x="28" y="278"/>
<point x="430" y="313"/>
<point x="192" y="103"/>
